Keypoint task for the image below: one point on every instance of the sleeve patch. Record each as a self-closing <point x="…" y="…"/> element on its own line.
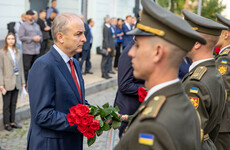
<point x="146" y="139"/>
<point x="222" y="69"/>
<point x="195" y="101"/>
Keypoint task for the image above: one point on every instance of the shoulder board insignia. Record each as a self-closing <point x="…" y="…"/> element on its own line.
<point x="225" y="52"/>
<point x="154" y="106"/>
<point x="198" y="73"/>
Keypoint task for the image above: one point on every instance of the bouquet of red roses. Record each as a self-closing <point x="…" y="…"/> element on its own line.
<point x="92" y="120"/>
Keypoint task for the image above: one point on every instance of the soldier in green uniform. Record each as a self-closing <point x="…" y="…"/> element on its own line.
<point x="223" y="64"/>
<point x="166" y="120"/>
<point x="203" y="83"/>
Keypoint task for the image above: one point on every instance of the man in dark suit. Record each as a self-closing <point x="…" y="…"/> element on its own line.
<point x="86" y="49"/>
<point x="223" y="64"/>
<point x="166" y="120"/>
<point x="126" y="27"/>
<point x="127" y="93"/>
<point x="55" y="84"/>
<point x="204" y="84"/>
<point x="108" y="44"/>
<point x="184" y="66"/>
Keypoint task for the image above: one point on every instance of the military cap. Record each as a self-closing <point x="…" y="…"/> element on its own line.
<point x="202" y="24"/>
<point x="157" y="21"/>
<point x="223" y="20"/>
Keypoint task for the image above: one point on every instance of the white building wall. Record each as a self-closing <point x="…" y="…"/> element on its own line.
<point x="98" y="9"/>
<point x="226" y="12"/>
<point x="71" y="6"/>
<point x="11" y="10"/>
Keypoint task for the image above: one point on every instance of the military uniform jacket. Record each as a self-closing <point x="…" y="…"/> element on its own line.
<point x="205" y="88"/>
<point x="223" y="65"/>
<point x="165" y="121"/>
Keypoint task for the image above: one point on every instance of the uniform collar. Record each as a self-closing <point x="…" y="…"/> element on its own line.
<point x="160" y="86"/>
<point x="222" y="49"/>
<point x="194" y="64"/>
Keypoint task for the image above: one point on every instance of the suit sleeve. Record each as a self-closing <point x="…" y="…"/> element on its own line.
<point x="126" y="80"/>
<point x="200" y="99"/>
<point x="125" y="29"/>
<point x="41" y="86"/>
<point x="106" y="37"/>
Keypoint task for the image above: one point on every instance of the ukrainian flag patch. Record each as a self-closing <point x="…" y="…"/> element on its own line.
<point x="146" y="139"/>
<point x="193" y="90"/>
<point x="224" y="61"/>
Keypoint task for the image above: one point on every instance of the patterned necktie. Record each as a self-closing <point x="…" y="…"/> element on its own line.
<point x="75" y="77"/>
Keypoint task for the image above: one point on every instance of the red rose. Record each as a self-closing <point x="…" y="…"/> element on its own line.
<point x="82" y="110"/>
<point x="142" y="94"/>
<point x="82" y="128"/>
<point x="70" y="119"/>
<point x="78" y="120"/>
<point x="72" y="111"/>
<point x="87" y="119"/>
<point x="95" y="125"/>
<point x="89" y="133"/>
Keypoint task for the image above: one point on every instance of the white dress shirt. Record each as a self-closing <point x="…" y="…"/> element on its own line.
<point x="66" y="60"/>
<point x="160" y="86"/>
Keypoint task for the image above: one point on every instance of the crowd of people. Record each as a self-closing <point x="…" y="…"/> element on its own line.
<point x="184" y="108"/>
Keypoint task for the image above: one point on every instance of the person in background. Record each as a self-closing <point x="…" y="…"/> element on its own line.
<point x="127" y="93"/>
<point x="31" y="37"/>
<point x="114" y="35"/>
<point x="11" y="80"/>
<point x="85" y="50"/>
<point x="184" y="67"/>
<point x="133" y="22"/>
<point x="120" y="34"/>
<point x="45" y="31"/>
<point x="52" y="8"/>
<point x="16" y="29"/>
<point x="107" y="44"/>
<point x="203" y="83"/>
<point x="126" y="27"/>
<point x="35" y="17"/>
<point x="49" y="23"/>
<point x="223" y="64"/>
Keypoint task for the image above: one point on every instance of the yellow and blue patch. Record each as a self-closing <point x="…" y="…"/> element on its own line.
<point x="224" y="61"/>
<point x="146" y="139"/>
<point x="193" y="90"/>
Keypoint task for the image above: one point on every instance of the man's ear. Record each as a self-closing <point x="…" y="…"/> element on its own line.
<point x="226" y="34"/>
<point x="197" y="45"/>
<point x="158" y="52"/>
<point x="60" y="37"/>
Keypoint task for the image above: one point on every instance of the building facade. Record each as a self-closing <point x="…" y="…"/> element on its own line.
<point x="11" y="10"/>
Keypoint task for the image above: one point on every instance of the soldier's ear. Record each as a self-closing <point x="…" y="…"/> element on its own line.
<point x="197" y="45"/>
<point x="158" y="53"/>
<point x="226" y="34"/>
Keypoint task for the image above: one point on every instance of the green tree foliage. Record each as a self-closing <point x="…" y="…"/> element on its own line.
<point x="210" y="8"/>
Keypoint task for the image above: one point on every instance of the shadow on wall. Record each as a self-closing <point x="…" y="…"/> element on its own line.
<point x="2" y="42"/>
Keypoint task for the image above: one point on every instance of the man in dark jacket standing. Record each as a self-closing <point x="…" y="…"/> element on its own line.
<point x="127" y="93"/>
<point x="109" y="45"/>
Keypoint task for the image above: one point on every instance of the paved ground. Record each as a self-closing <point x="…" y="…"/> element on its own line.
<point x="16" y="139"/>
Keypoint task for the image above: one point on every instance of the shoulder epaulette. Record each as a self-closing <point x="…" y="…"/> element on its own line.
<point x="198" y="73"/>
<point x="225" y="52"/>
<point x="153" y="107"/>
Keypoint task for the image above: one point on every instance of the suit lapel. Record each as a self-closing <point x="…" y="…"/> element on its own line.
<point x="66" y="73"/>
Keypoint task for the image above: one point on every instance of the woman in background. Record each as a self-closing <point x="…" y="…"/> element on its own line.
<point x="120" y="34"/>
<point x="11" y="80"/>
